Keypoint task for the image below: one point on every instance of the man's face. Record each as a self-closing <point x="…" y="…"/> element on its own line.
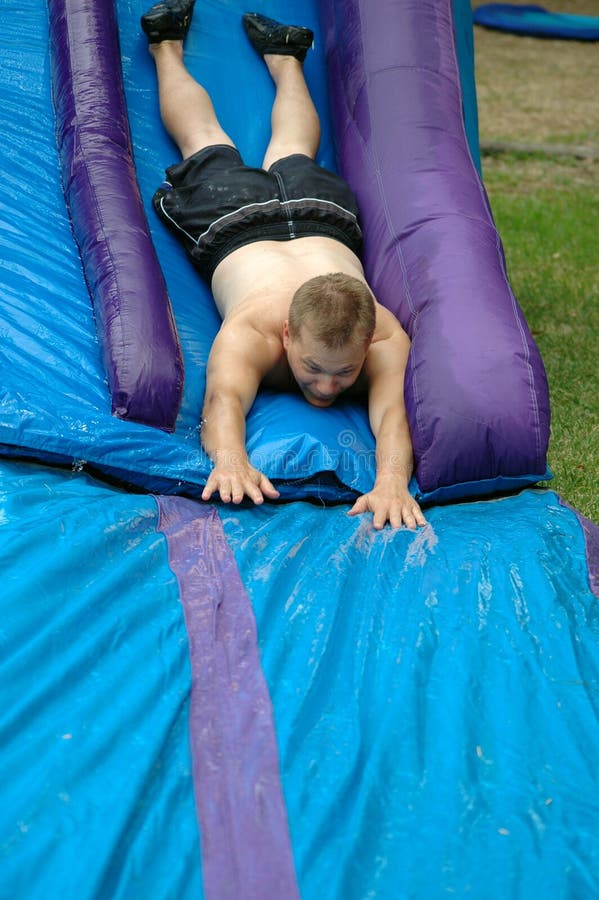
<point x="322" y="373"/>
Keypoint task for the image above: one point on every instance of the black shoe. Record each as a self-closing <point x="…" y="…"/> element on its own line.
<point x="268" y="36"/>
<point x="168" y="20"/>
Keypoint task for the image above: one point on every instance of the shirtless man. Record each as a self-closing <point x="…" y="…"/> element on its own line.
<point x="284" y="271"/>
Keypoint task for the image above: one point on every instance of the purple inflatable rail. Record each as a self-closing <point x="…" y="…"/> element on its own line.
<point x="135" y="323"/>
<point x="476" y="390"/>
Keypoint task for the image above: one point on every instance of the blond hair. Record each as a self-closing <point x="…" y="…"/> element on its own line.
<point x="337" y="309"/>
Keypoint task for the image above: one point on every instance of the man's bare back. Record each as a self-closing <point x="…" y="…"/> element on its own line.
<point x="253" y="288"/>
<point x="255" y="285"/>
<point x="268" y="273"/>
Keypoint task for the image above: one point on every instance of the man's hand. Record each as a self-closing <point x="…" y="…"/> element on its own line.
<point x="235" y="479"/>
<point x="389" y="502"/>
<point x="385" y="365"/>
<point x="240" y="358"/>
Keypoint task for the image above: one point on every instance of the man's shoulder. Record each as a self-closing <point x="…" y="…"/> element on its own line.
<point x="245" y="346"/>
<point x="253" y="321"/>
<point x="387" y="323"/>
<point x="388" y="351"/>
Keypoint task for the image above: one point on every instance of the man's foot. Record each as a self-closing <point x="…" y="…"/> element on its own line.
<point x="268" y="36"/>
<point x="168" y="20"/>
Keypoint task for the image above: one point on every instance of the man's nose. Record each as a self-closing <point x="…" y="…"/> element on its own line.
<point x="326" y="385"/>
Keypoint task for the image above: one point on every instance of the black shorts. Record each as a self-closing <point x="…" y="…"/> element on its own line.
<point x="215" y="204"/>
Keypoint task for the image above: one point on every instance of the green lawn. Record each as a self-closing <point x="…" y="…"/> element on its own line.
<point x="547" y="213"/>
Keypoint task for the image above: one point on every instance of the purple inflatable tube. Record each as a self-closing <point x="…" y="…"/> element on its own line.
<point x="135" y="324"/>
<point x="476" y="390"/>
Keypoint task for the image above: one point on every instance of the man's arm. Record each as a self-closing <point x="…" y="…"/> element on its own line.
<point x="389" y="500"/>
<point x="239" y="359"/>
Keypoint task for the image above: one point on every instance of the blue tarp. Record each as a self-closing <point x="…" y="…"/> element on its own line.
<point x="536" y="21"/>
<point x="95" y="680"/>
<point x="434" y="695"/>
<point x="62" y="359"/>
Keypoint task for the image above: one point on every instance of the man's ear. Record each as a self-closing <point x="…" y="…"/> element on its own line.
<point x="286" y="334"/>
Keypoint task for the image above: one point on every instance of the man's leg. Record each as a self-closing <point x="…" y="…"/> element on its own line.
<point x="294" y="120"/>
<point x="185" y="106"/>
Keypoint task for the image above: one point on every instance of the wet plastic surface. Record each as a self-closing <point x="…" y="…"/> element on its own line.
<point x="97" y="775"/>
<point x="56" y="405"/>
<point x="433" y="694"/>
<point x="435" y="697"/>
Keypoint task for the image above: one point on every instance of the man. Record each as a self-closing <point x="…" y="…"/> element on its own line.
<point x="279" y="247"/>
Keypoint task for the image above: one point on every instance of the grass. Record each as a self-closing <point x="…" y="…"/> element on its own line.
<point x="547" y="213"/>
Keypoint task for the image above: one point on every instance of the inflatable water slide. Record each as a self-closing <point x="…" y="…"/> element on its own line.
<point x="206" y="700"/>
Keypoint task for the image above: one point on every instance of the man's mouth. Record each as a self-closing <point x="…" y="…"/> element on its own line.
<point x="316" y="400"/>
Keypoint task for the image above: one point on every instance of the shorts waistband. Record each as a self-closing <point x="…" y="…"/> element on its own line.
<point x="273" y="231"/>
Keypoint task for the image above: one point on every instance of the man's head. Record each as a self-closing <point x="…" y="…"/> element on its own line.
<point x="327" y="335"/>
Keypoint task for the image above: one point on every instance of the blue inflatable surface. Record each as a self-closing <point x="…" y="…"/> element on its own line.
<point x="536" y="21"/>
<point x="323" y="455"/>
<point x="61" y="359"/>
<point x="432" y="696"/>
<point x="95" y="694"/>
<point x="270" y="702"/>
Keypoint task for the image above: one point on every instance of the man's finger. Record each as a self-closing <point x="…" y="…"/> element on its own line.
<point x="409" y="521"/>
<point x="379" y="518"/>
<point x="395" y="519"/>
<point x="224" y="489"/>
<point x="268" y="488"/>
<point x="237" y="491"/>
<point x="360" y="506"/>
<point x="254" y="492"/>
<point x="419" y="516"/>
<point x="210" y="487"/>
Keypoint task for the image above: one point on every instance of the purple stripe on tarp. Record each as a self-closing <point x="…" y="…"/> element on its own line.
<point x="591" y="540"/>
<point x="246" y="847"/>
